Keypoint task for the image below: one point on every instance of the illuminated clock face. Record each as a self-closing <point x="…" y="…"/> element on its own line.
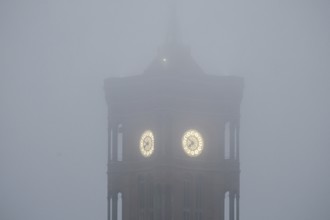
<point x="192" y="143"/>
<point x="147" y="143"/>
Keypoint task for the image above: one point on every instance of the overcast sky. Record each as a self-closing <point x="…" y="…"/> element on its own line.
<point x="54" y="56"/>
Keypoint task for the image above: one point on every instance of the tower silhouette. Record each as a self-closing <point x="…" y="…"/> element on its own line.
<point x="173" y="140"/>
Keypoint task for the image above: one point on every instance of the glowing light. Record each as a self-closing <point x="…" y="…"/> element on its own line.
<point x="192" y="143"/>
<point x="147" y="143"/>
<point x="164" y="60"/>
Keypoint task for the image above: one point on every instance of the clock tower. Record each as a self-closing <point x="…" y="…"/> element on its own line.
<point x="173" y="141"/>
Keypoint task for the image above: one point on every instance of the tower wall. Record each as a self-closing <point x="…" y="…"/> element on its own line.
<point x="170" y="184"/>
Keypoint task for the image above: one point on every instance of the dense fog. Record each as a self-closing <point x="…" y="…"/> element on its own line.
<point x="54" y="56"/>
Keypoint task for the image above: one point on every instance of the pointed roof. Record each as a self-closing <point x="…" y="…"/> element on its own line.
<point x="173" y="58"/>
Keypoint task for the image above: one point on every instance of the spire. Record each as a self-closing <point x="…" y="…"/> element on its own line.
<point x="173" y="57"/>
<point x="173" y="27"/>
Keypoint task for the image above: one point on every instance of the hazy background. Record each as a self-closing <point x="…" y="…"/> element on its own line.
<point x="54" y="56"/>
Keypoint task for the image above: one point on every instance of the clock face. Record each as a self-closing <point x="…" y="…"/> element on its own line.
<point x="147" y="143"/>
<point x="192" y="143"/>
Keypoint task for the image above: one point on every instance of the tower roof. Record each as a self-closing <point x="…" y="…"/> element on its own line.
<point x="173" y="58"/>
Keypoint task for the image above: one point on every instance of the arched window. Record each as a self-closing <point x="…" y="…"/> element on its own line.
<point x="110" y="208"/>
<point x="226" y="208"/>
<point x="227" y="141"/>
<point x="110" y="140"/>
<point x="120" y="206"/>
<point x="120" y="142"/>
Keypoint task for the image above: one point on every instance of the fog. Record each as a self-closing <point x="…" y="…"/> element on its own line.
<point x="54" y="56"/>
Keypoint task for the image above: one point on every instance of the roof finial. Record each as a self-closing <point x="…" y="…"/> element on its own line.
<point x="173" y="29"/>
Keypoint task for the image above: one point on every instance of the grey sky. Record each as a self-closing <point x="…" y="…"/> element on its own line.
<point x="54" y="56"/>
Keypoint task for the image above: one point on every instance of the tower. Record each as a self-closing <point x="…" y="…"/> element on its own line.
<point x="173" y="141"/>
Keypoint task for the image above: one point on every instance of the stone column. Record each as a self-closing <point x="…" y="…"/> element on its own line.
<point x="115" y="142"/>
<point x="237" y="142"/>
<point x="109" y="142"/>
<point x="232" y="140"/>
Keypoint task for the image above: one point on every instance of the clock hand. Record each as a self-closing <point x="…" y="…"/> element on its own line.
<point x="145" y="143"/>
<point x="191" y="143"/>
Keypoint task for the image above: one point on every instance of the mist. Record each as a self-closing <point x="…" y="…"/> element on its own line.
<point x="55" y="55"/>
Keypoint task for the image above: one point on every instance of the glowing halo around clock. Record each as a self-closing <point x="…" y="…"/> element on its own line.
<point x="147" y="143"/>
<point x="192" y="143"/>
